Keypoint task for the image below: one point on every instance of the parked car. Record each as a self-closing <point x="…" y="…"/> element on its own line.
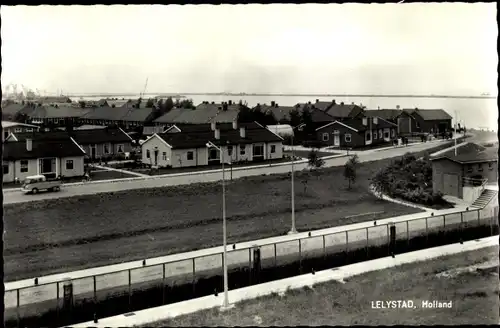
<point x="36" y="183"/>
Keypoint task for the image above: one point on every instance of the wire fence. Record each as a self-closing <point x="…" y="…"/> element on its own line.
<point x="38" y="297"/>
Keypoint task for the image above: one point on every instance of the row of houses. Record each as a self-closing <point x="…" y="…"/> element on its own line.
<point x="63" y="153"/>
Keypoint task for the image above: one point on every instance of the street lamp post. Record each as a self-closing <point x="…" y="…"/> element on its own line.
<point x="224" y="233"/>
<point x="293" y="230"/>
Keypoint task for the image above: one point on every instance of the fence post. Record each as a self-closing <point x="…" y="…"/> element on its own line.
<point x="57" y="290"/>
<point x="300" y="255"/>
<point x="194" y="278"/>
<point x="408" y="234"/>
<point x="163" y="285"/>
<point x="426" y="231"/>
<point x="444" y="225"/>
<point x="17" y="306"/>
<point x="367" y="242"/>
<point x="461" y="227"/>
<point x="129" y="289"/>
<point x="250" y="265"/>
<point x="95" y="294"/>
<point x="275" y="256"/>
<point x="324" y="248"/>
<point x="478" y="219"/>
<point x="388" y="240"/>
<point x="346" y="246"/>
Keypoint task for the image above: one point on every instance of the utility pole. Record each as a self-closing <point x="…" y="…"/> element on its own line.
<point x="293" y="230"/>
<point x="455" y="134"/>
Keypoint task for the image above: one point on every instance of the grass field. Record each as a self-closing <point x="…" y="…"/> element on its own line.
<point x="67" y="234"/>
<point x="474" y="296"/>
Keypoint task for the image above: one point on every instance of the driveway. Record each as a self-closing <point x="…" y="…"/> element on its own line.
<point x="12" y="197"/>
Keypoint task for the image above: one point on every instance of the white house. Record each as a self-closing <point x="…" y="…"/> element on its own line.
<point x="52" y="158"/>
<point x="186" y="146"/>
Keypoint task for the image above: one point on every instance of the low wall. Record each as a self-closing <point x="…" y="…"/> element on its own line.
<point x="470" y="194"/>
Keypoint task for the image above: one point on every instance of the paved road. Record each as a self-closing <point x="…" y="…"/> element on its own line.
<point x="90" y="188"/>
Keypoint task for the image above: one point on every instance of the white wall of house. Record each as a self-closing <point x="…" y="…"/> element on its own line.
<point x="189" y="157"/>
<point x="164" y="152"/>
<point x="278" y="150"/>
<point x="248" y="152"/>
<point x="65" y="169"/>
<point x="8" y="171"/>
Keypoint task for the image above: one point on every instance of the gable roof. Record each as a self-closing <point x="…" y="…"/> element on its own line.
<point x="203" y="113"/>
<point x="106" y="113"/>
<point x="12" y="108"/>
<point x="55" y="112"/>
<point x="386" y="114"/>
<point x="8" y="124"/>
<point x="92" y="136"/>
<point x="42" y="148"/>
<point x="317" y="115"/>
<point x="341" y="111"/>
<point x="469" y="153"/>
<point x="137" y="114"/>
<point x="356" y="124"/>
<point x="197" y="136"/>
<point x="429" y="114"/>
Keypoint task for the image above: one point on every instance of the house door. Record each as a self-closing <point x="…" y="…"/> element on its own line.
<point x="93" y="151"/>
<point x="450" y="185"/>
<point x="48" y="167"/>
<point x="336" y="139"/>
<point x="258" y="153"/>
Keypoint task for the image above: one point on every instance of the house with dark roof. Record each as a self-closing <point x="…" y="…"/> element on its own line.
<point x="11" y="127"/>
<point x="52" y="158"/>
<point x="356" y="132"/>
<point x="282" y="113"/>
<point x="186" y="146"/>
<point x="10" y="109"/>
<point x="435" y="121"/>
<point x="406" y="123"/>
<point x="103" y="143"/>
<point x="203" y="113"/>
<point x="464" y="172"/>
<point x="53" y="114"/>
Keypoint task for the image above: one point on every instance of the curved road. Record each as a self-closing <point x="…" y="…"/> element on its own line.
<point x="12" y="197"/>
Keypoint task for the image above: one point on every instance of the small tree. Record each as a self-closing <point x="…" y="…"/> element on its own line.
<point x="350" y="169"/>
<point x="314" y="160"/>
<point x="150" y="103"/>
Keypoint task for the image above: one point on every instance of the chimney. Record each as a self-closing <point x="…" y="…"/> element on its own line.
<point x="242" y="132"/>
<point x="365" y="121"/>
<point x="342" y="104"/>
<point x="212" y="126"/>
<point x="317" y="100"/>
<point x="352" y="103"/>
<point x="397" y="107"/>
<point x="29" y="144"/>
<point x="334" y="102"/>
<point x="272" y="103"/>
<point x="230" y="102"/>
<point x="277" y="105"/>
<point x="375" y="120"/>
<point x="309" y="102"/>
<point x="235" y="125"/>
<point x="217" y="134"/>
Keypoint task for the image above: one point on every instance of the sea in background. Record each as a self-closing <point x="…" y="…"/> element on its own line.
<point x="471" y="112"/>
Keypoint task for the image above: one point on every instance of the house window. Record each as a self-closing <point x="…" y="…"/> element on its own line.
<point x="106" y="148"/>
<point x="380" y="134"/>
<point x="242" y="149"/>
<point x="230" y="150"/>
<point x="469" y="168"/>
<point x="480" y="167"/>
<point x="190" y="155"/>
<point x="120" y="149"/>
<point x="18" y="130"/>
<point x="5" y="168"/>
<point x="29" y="130"/>
<point x="368" y="136"/>
<point x="393" y="133"/>
<point x="163" y="155"/>
<point x="213" y="154"/>
<point x="273" y="149"/>
<point x="375" y="136"/>
<point x="24" y="166"/>
<point x="69" y="164"/>
<point x="148" y="153"/>
<point x="386" y="134"/>
<point x="347" y="137"/>
<point x="325" y="136"/>
<point x="490" y="165"/>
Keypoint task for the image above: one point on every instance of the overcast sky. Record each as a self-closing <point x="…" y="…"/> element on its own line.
<point x="445" y="48"/>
